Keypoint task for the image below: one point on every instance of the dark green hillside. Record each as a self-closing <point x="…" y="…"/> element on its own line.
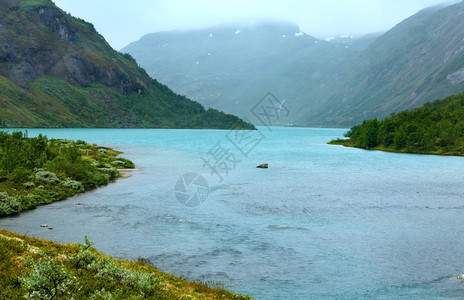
<point x="435" y="128"/>
<point x="57" y="71"/>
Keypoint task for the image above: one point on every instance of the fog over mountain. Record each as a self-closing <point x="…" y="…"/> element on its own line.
<point x="324" y="82"/>
<point x="122" y="22"/>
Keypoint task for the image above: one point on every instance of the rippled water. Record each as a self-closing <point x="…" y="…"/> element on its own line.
<point x="322" y="222"/>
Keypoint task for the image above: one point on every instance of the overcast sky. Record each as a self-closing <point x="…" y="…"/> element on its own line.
<point x="122" y="21"/>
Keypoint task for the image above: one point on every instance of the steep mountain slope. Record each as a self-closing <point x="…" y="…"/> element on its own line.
<point x="336" y="83"/>
<point x="231" y="67"/>
<point x="419" y="60"/>
<point x="56" y="70"/>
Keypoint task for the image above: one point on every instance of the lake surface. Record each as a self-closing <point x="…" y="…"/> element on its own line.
<point x="322" y="222"/>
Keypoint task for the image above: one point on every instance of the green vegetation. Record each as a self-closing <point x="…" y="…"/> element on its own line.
<point x="38" y="170"/>
<point x="53" y="102"/>
<point x="33" y="268"/>
<point x="57" y="71"/>
<point x="435" y="128"/>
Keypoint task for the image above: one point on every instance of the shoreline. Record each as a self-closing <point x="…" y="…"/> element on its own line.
<point x="34" y="262"/>
<point x="125" y="173"/>
<point x="30" y="263"/>
<point x="336" y="143"/>
<point x="66" y="168"/>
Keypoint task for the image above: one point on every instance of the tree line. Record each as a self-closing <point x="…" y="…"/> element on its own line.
<point x="435" y="128"/>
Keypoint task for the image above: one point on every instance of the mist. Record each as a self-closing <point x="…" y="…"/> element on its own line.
<point x="122" y="22"/>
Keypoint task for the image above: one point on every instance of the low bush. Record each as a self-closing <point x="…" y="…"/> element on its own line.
<point x="122" y="163"/>
<point x="46" y="177"/>
<point x="49" y="279"/>
<point x="35" y="171"/>
<point x="112" y="172"/>
<point x="9" y="204"/>
<point x="32" y="268"/>
<point x="73" y="184"/>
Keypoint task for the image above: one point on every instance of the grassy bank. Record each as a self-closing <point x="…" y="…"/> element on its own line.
<point x="33" y="268"/>
<point x="38" y="170"/>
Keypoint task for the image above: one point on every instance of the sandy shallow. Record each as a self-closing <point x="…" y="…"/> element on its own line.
<point x="123" y="172"/>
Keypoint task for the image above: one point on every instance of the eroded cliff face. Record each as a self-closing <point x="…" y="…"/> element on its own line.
<point x="45" y="41"/>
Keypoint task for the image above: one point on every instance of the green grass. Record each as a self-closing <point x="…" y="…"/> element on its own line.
<point x="34" y="268"/>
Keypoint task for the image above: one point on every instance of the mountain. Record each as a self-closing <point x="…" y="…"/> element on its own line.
<point x="333" y="82"/>
<point x="57" y="71"/>
<point x="232" y="66"/>
<point x="419" y="60"/>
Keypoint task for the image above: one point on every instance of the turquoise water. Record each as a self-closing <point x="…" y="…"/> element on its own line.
<point x="322" y="222"/>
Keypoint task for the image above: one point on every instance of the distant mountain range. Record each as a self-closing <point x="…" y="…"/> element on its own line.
<point x="57" y="71"/>
<point x="333" y="82"/>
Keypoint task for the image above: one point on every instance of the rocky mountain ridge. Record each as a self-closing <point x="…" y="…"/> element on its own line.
<point x="57" y="71"/>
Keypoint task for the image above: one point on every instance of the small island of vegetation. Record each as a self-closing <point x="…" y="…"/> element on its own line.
<point x="435" y="128"/>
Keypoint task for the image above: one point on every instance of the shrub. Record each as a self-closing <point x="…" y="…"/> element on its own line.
<point x="108" y="270"/>
<point x="19" y="174"/>
<point x="48" y="280"/>
<point x="30" y="201"/>
<point x="47" y="196"/>
<point x="73" y="184"/>
<point x="81" y="143"/>
<point x="29" y="185"/>
<point x="9" y="204"/>
<point x="102" y="295"/>
<point x="102" y="151"/>
<point x="97" y="179"/>
<point x="112" y="172"/>
<point x="122" y="162"/>
<point x="84" y="257"/>
<point x="46" y="177"/>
